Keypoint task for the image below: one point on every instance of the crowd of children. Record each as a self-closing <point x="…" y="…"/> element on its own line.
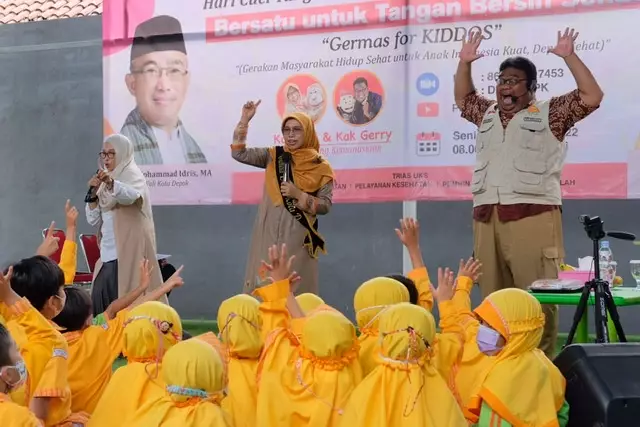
<point x="278" y="359"/>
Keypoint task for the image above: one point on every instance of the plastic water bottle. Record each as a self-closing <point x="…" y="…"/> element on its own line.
<point x="605" y="258"/>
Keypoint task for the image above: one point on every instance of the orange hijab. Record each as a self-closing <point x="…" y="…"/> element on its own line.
<point x="310" y="171"/>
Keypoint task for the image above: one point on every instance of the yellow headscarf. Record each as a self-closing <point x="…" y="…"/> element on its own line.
<point x="370" y="299"/>
<point x="151" y="329"/>
<point x="518" y="317"/>
<point x="194" y="374"/>
<point x="405" y="388"/>
<point x="310" y="170"/>
<point x="309" y="301"/>
<point x="313" y="387"/>
<point x="239" y="322"/>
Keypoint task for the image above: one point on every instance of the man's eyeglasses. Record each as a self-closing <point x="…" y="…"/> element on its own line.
<point x="107" y="154"/>
<point x="512" y="81"/>
<point x="154" y="73"/>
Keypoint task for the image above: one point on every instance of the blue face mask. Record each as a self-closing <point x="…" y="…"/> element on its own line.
<point x="487" y="340"/>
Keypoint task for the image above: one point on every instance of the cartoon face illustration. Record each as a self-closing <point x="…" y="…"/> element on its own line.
<point x="293" y="94"/>
<point x="315" y="96"/>
<point x="347" y="103"/>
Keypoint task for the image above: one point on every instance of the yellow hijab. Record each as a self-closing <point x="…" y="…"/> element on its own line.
<point x="239" y="322"/>
<point x="309" y="301"/>
<point x="370" y="299"/>
<point x="405" y="388"/>
<point x="518" y="317"/>
<point x="194" y="374"/>
<point x="151" y="329"/>
<point x="313" y="385"/>
<point x="310" y="170"/>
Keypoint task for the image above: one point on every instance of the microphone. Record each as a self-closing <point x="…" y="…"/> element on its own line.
<point x="286" y="159"/>
<point x="622" y="235"/>
<point x="89" y="196"/>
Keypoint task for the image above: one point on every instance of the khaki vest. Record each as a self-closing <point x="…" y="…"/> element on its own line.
<point x="519" y="165"/>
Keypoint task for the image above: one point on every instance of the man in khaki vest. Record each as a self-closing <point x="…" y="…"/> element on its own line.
<point x="520" y="151"/>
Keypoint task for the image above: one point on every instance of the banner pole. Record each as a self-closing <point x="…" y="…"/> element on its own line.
<point x="409" y="210"/>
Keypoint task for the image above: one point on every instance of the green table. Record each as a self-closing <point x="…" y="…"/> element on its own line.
<point x="622" y="296"/>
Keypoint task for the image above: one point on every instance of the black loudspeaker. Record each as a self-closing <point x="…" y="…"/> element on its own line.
<point x="603" y="384"/>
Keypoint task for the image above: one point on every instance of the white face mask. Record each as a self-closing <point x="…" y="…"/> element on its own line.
<point x="20" y="369"/>
<point x="487" y="340"/>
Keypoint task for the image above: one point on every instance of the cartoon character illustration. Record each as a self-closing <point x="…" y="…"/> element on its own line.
<point x="296" y="103"/>
<point x="346" y="106"/>
<point x="315" y="101"/>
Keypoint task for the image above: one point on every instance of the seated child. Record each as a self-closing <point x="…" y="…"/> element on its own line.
<point x="13" y="370"/>
<point x="47" y="393"/>
<point x="150" y="330"/>
<point x="194" y="376"/>
<point x="406" y="387"/>
<point x="93" y="349"/>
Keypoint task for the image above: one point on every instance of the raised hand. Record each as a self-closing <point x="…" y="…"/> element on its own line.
<point x="249" y="110"/>
<point x="176" y="281"/>
<point x="409" y="232"/>
<point x="446" y="285"/>
<point x="279" y="266"/>
<point x="5" y="285"/>
<point x="565" y="45"/>
<point x="470" y="268"/>
<point x="469" y="50"/>
<point x="50" y="244"/>
<point x="145" y="274"/>
<point x="71" y="214"/>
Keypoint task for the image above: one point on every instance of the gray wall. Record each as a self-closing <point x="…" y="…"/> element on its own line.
<point x="51" y="113"/>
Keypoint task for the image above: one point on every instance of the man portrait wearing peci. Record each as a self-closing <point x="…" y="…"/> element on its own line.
<point x="158" y="79"/>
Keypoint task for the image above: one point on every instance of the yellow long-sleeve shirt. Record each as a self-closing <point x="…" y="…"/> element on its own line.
<point x="69" y="261"/>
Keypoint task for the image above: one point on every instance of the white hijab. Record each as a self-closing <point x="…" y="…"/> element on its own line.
<point x="126" y="172"/>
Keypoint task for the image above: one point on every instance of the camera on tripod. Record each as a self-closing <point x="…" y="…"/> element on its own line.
<point x="602" y="297"/>
<point x="594" y="226"/>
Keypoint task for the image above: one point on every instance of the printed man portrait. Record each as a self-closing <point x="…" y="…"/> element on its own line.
<point x="158" y="78"/>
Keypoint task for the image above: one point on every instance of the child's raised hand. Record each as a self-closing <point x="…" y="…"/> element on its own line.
<point x="176" y="281"/>
<point x="50" y="244"/>
<point x="145" y="274"/>
<point x="471" y="269"/>
<point x="71" y="214"/>
<point x="279" y="266"/>
<point x="446" y="285"/>
<point x="5" y="285"/>
<point x="409" y="232"/>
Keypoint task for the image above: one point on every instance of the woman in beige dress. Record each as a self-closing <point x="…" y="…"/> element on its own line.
<point x="293" y="197"/>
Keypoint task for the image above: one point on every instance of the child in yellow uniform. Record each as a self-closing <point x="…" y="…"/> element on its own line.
<point x="150" y="330"/>
<point x="93" y="349"/>
<point x="239" y="322"/>
<point x="194" y="376"/>
<point x="13" y="370"/>
<point x="370" y="299"/>
<point x="47" y="392"/>
<point x="406" y="387"/>
<point x="309" y="301"/>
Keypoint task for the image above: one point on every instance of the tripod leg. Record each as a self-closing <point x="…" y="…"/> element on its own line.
<point x="580" y="311"/>
<point x="600" y="310"/>
<point x="615" y="317"/>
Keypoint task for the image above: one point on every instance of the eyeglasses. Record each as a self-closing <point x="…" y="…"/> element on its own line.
<point x="509" y="81"/>
<point x="291" y="131"/>
<point x="107" y="154"/>
<point x="154" y="73"/>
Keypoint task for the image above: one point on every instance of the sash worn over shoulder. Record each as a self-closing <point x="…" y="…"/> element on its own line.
<point x="313" y="241"/>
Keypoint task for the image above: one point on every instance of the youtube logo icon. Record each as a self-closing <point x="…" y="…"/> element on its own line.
<point x="428" y="109"/>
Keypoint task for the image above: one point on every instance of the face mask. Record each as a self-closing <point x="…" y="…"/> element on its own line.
<point x="487" y="340"/>
<point x="21" y="369"/>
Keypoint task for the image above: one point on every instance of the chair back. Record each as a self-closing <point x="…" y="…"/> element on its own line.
<point x="61" y="238"/>
<point x="90" y="249"/>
